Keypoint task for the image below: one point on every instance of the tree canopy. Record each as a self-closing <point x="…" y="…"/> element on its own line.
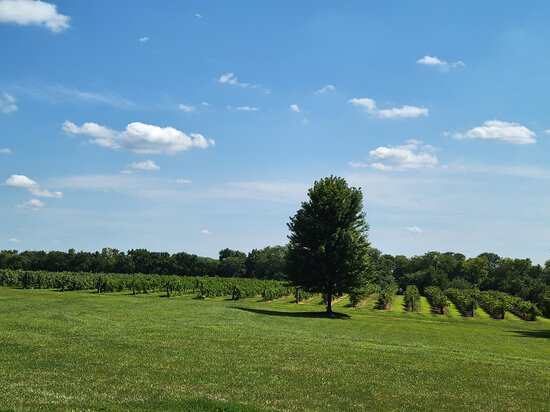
<point x="328" y="246"/>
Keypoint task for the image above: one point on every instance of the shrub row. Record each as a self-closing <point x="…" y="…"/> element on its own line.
<point x="412" y="298"/>
<point x="493" y="302"/>
<point x="464" y="300"/>
<point x="356" y="296"/>
<point x="387" y="295"/>
<point x="437" y="298"/>
<point x="237" y="288"/>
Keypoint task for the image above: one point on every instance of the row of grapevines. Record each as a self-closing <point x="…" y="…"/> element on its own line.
<point x="238" y="288"/>
<point x="412" y="298"/>
<point x="497" y="303"/>
<point x="464" y="300"/>
<point x="356" y="296"/>
<point x="387" y="295"/>
<point x="437" y="298"/>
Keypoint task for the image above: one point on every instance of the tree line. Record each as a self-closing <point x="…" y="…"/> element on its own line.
<point x="488" y="271"/>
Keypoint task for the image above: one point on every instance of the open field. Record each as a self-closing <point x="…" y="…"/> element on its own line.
<point x="84" y="351"/>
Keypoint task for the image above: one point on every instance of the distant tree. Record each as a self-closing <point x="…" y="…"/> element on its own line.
<point x="328" y="248"/>
<point x="266" y="263"/>
<point x="231" y="263"/>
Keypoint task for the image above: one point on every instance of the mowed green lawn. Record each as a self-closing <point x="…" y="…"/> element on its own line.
<point x="84" y="351"/>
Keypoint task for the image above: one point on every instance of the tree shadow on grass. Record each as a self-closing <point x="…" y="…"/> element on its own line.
<point x="318" y="315"/>
<point x="533" y="333"/>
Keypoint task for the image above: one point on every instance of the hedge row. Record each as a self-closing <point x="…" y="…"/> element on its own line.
<point x="356" y="296"/>
<point x="412" y="298"/>
<point x="387" y="295"/>
<point x="237" y="288"/>
<point x="436" y="298"/>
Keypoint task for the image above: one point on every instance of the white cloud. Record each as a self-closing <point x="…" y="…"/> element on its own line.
<point x="33" y="187"/>
<point x="21" y="181"/>
<point x="186" y="108"/>
<point x="442" y="64"/>
<point x="33" y="204"/>
<point x="248" y="108"/>
<point x="295" y="108"/>
<point x="205" y="232"/>
<point x="14" y="240"/>
<point x="145" y="165"/>
<point x="206" y="104"/>
<point x="406" y="111"/>
<point x="140" y="138"/>
<point x="326" y="88"/>
<point x="7" y="103"/>
<point x="547" y="131"/>
<point x="25" y="12"/>
<point x="143" y="39"/>
<point x="414" y="229"/>
<point x="6" y="151"/>
<point x="231" y="79"/>
<point x="183" y="181"/>
<point x="409" y="156"/>
<point x="500" y="131"/>
<point x="198" y="15"/>
<point x="89" y="129"/>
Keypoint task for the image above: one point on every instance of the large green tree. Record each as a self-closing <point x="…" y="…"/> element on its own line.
<point x="328" y="248"/>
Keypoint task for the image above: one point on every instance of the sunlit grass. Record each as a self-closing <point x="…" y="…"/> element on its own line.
<point x="83" y="351"/>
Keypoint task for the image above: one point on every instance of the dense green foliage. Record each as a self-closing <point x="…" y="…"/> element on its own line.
<point x="119" y="352"/>
<point x="517" y="277"/>
<point x="204" y="287"/>
<point x="358" y="295"/>
<point x="437" y="299"/>
<point x="328" y="246"/>
<point x="412" y="298"/>
<point x="387" y="295"/>
<point x="466" y="300"/>
<point x="267" y="263"/>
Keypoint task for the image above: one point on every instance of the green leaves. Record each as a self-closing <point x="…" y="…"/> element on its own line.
<point x="328" y="248"/>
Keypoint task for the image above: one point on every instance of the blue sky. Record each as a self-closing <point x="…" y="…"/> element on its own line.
<point x="200" y="125"/>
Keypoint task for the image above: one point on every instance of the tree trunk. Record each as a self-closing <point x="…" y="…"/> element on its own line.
<point x="329" y="302"/>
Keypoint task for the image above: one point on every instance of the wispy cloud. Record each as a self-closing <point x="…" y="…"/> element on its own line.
<point x="143" y="39"/>
<point x="7" y="103"/>
<point x="140" y="138"/>
<point x="500" y="131"/>
<point x="369" y="106"/>
<point x="295" y="108"/>
<point x="33" y="12"/>
<point x="14" y="240"/>
<point x="414" y="229"/>
<point x="23" y="181"/>
<point x="186" y="108"/>
<point x="232" y="80"/>
<point x="247" y="108"/>
<point x="146" y="165"/>
<point x="326" y="88"/>
<point x="6" y="151"/>
<point x="33" y="204"/>
<point x="440" y="63"/>
<point x="56" y="93"/>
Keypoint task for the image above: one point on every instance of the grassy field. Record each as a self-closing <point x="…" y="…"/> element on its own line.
<point x="84" y="351"/>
